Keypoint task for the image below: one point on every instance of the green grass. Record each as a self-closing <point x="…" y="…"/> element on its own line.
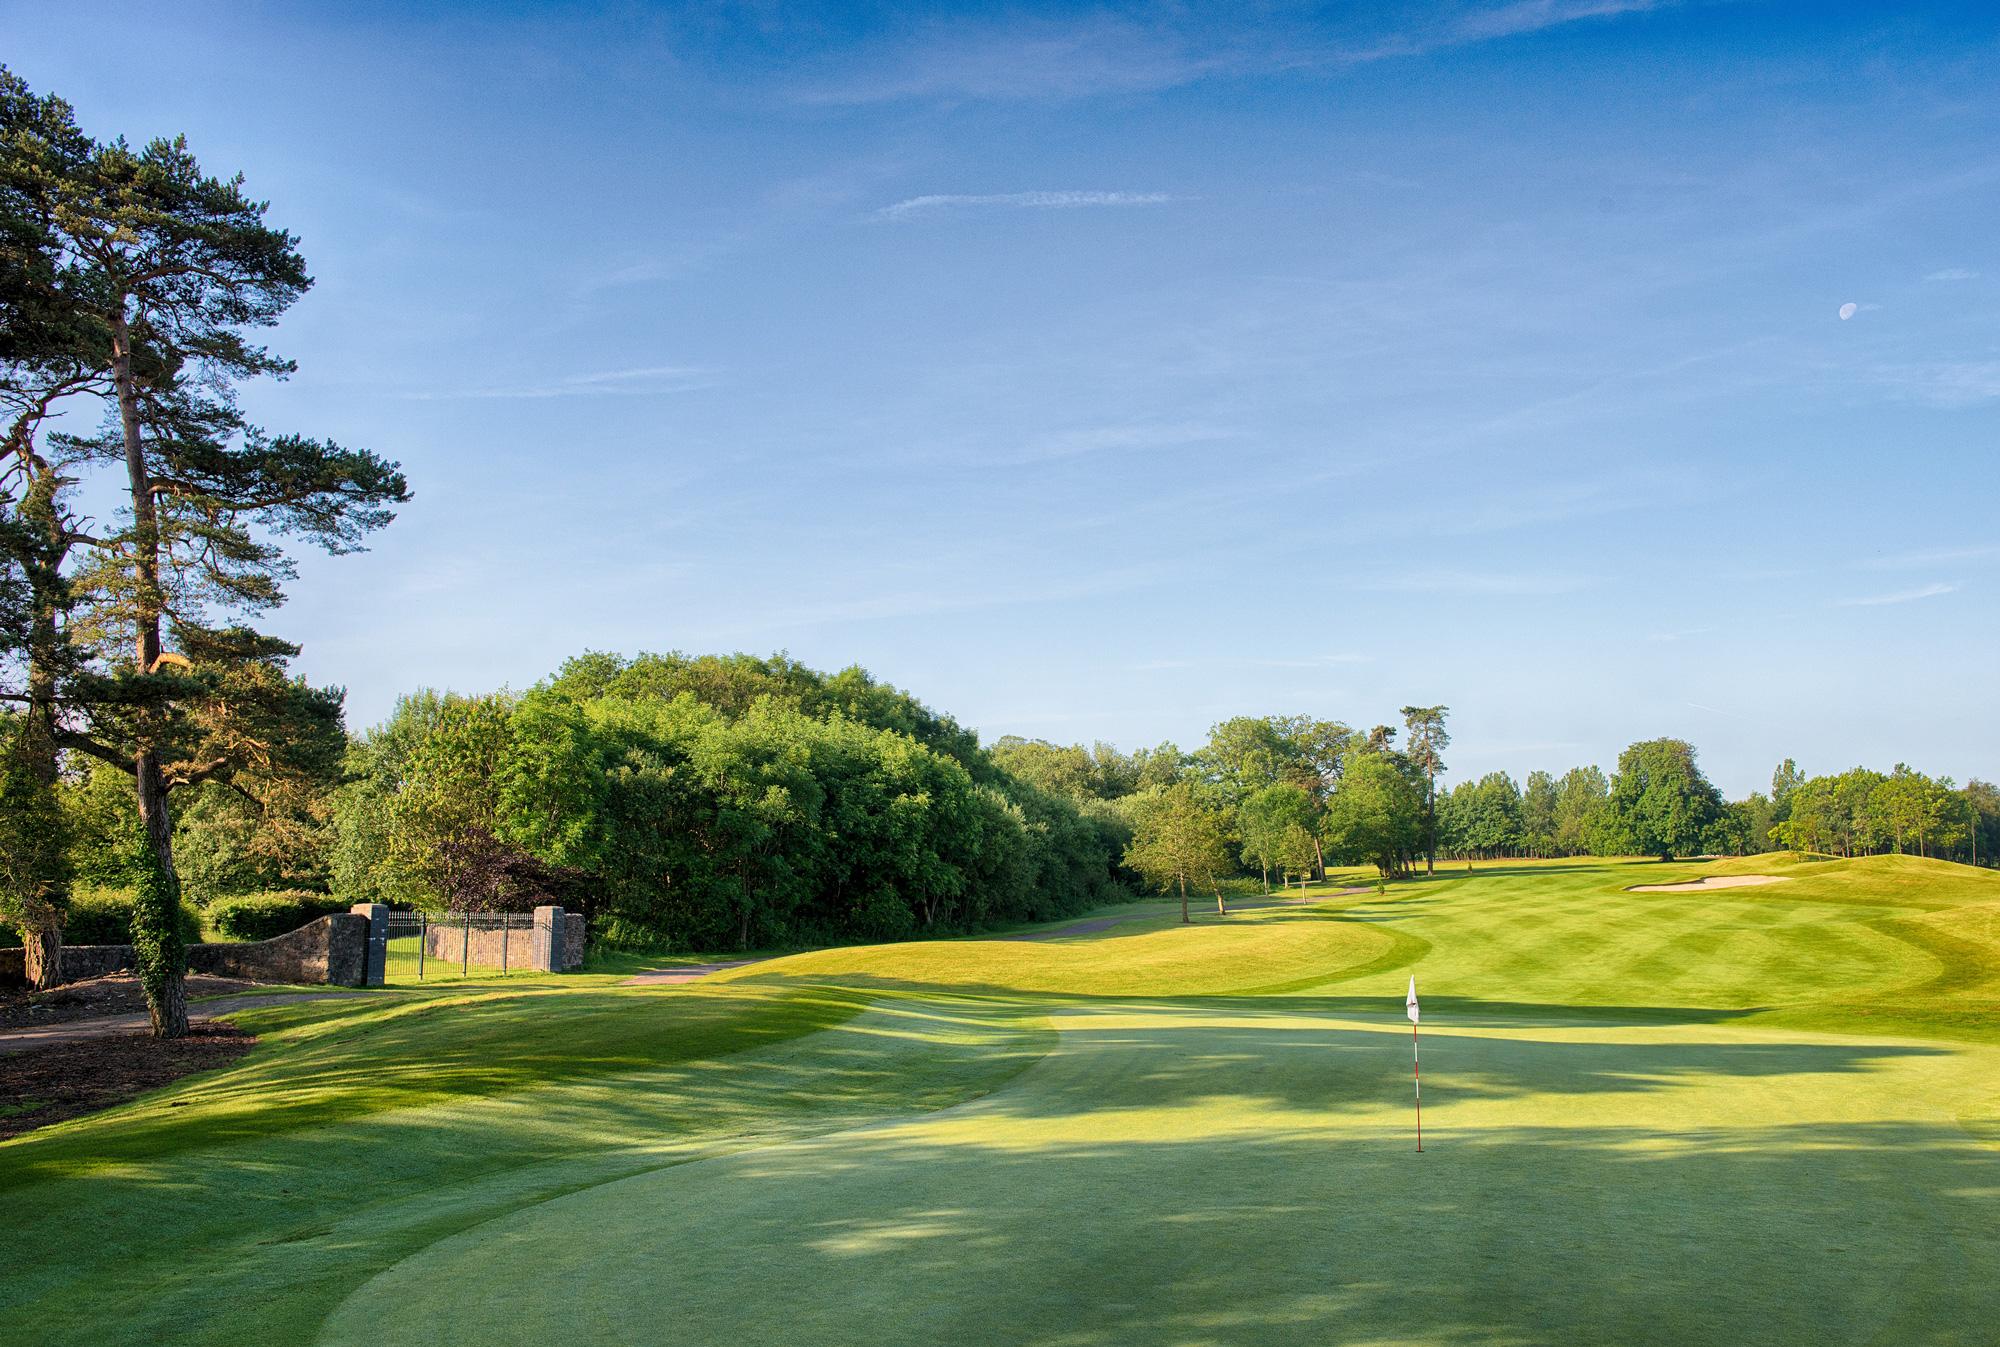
<point x="1762" y="1115"/>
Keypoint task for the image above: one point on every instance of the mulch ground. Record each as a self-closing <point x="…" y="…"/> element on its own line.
<point x="113" y="994"/>
<point x="47" y="1084"/>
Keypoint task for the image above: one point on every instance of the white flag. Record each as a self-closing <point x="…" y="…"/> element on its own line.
<point x="1412" y="1003"/>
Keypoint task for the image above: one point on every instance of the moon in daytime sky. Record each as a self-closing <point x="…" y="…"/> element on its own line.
<point x="1847" y="311"/>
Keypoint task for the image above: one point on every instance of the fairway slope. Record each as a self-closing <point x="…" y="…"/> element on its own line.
<point x="1758" y="1114"/>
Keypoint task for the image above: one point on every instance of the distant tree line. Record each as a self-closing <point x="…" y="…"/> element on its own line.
<point x="1287" y="794"/>
<point x="732" y="801"/>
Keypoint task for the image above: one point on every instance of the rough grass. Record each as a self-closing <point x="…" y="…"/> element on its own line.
<point x="1761" y="1115"/>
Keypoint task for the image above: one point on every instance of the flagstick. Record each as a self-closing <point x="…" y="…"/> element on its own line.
<point x="1417" y="1073"/>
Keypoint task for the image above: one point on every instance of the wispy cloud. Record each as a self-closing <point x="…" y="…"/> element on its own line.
<point x="1102" y="55"/>
<point x="949" y="201"/>
<point x="1532" y="16"/>
<point x="1900" y="596"/>
<point x="1931" y="556"/>
<point x="1684" y="634"/>
<point x="1948" y="384"/>
<point x="1254" y="662"/>
<point x="1493" y="583"/>
<point x="648" y="381"/>
<point x="1023" y="59"/>
<point x="1953" y="274"/>
<point x="892" y="605"/>
<point x="1117" y="439"/>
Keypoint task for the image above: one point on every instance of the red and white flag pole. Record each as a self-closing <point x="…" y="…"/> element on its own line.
<point x="1416" y="1067"/>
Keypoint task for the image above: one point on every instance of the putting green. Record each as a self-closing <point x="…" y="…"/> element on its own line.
<point x="1756" y="1115"/>
<point x="1244" y="1173"/>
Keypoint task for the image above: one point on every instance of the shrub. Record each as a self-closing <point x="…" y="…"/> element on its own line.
<point x="104" y="917"/>
<point x="260" y="916"/>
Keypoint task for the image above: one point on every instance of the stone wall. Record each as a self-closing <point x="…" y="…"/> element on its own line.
<point x="575" y="934"/>
<point x="79" y="962"/>
<point x="331" y="950"/>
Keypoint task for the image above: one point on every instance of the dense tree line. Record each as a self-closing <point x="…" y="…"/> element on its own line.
<point x="712" y="802"/>
<point x="730" y="801"/>
<point x="1861" y="812"/>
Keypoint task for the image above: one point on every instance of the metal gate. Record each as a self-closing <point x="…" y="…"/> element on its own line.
<point x="458" y="945"/>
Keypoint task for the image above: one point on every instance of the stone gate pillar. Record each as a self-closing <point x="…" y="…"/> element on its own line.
<point x="545" y="951"/>
<point x="378" y="941"/>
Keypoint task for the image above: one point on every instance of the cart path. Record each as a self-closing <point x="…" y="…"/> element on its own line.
<point x="15" y="1040"/>
<point x="685" y="972"/>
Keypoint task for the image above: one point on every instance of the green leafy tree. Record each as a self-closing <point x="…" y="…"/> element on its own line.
<point x="450" y="801"/>
<point x="1178" y="839"/>
<point x="1785" y="779"/>
<point x="1424" y="746"/>
<point x="1275" y="825"/>
<point x="1660" y="801"/>
<point x="1492" y="818"/>
<point x="1582" y="812"/>
<point x="376" y="769"/>
<point x="1377" y="814"/>
<point x="1538" y="814"/>
<point x="1983" y="828"/>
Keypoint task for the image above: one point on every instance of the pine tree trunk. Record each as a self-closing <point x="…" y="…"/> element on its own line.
<point x="166" y="990"/>
<point x="47" y="883"/>
<point x="156" y="934"/>
<point x="167" y="1009"/>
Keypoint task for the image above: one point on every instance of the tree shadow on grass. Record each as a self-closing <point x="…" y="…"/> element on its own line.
<point x="1681" y="1237"/>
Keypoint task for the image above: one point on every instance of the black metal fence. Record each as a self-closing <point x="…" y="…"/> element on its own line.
<point x="460" y="945"/>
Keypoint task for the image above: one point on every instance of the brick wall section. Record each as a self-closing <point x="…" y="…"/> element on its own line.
<point x="331" y="950"/>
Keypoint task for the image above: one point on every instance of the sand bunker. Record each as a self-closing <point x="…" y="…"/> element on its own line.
<point x="1712" y="882"/>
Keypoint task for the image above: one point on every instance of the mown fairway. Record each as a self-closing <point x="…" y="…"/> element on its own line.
<point x="1759" y="1115"/>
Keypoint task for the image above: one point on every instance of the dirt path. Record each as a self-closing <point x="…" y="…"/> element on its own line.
<point x="72" y="1031"/>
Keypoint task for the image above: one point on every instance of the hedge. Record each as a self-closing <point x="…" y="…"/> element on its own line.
<point x="260" y="916"/>
<point x="104" y="917"/>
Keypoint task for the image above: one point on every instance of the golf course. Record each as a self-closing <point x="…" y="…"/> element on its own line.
<point x="1754" y="1114"/>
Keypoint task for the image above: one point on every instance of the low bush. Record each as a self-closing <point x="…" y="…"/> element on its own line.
<point x="104" y="917"/>
<point x="260" y="916"/>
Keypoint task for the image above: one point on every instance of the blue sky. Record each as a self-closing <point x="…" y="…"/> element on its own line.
<point x="1102" y="373"/>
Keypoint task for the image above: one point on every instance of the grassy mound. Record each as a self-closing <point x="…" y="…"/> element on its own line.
<point x="1148" y="956"/>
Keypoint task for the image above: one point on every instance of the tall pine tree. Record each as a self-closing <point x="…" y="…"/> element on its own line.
<point x="170" y="271"/>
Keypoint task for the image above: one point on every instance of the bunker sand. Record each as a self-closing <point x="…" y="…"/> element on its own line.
<point x="1711" y="882"/>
